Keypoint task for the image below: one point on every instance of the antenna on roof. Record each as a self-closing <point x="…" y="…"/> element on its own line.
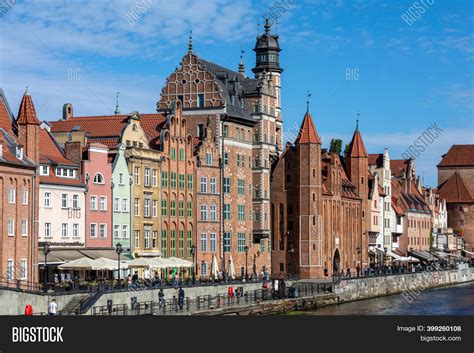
<point x="190" y="45"/>
<point x="117" y="108"/>
<point x="307" y="101"/>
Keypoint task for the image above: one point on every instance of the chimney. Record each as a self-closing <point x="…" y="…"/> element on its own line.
<point x="73" y="151"/>
<point x="67" y="111"/>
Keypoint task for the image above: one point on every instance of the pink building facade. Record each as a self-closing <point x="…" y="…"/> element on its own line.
<point x="97" y="172"/>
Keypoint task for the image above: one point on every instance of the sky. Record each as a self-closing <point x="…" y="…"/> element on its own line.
<point x="402" y="65"/>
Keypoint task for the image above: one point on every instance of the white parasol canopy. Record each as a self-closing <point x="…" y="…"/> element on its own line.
<point x="160" y="262"/>
<point x="141" y="262"/>
<point x="214" y="267"/>
<point x="112" y="264"/>
<point x="231" y="267"/>
<point x="83" y="263"/>
<point x="177" y="262"/>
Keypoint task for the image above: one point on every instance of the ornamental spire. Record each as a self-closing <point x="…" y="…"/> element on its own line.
<point x="117" y="108"/>
<point x="241" y="63"/>
<point x="190" y="44"/>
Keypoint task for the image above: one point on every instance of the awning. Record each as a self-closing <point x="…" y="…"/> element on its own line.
<point x="96" y="253"/>
<point x="83" y="263"/>
<point x="422" y="255"/>
<point x="52" y="259"/>
<point x="440" y="254"/>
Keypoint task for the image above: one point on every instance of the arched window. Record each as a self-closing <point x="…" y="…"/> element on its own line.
<point x="98" y="179"/>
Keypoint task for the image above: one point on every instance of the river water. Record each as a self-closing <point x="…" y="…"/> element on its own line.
<point x="453" y="300"/>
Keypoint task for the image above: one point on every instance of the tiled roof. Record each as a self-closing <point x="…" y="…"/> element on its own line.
<point x="27" y="113"/>
<point x="151" y="125"/>
<point x="376" y="159"/>
<point x="9" y="144"/>
<point x="399" y="166"/>
<point x="50" y="152"/>
<point x="455" y="189"/>
<point x="307" y="133"/>
<point x="357" y="147"/>
<point x="458" y="155"/>
<point x="6" y="116"/>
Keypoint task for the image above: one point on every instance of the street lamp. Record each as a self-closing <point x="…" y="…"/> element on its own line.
<point x="246" y="262"/>
<point x="193" y="253"/>
<point x="46" y="251"/>
<point x="119" y="250"/>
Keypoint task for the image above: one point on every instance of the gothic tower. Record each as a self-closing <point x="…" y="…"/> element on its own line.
<point x="28" y="127"/>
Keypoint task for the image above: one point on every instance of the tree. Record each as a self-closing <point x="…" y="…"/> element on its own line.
<point x="346" y="150"/>
<point x="336" y="146"/>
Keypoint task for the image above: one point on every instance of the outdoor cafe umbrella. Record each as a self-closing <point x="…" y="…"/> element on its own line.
<point x="112" y="264"/>
<point x="160" y="263"/>
<point x="83" y="263"/>
<point x="231" y="268"/>
<point x="176" y="262"/>
<point x="214" y="267"/>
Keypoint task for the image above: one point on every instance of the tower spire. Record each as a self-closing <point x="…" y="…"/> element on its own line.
<point x="357" y="121"/>
<point x="267" y="25"/>
<point x="241" y="63"/>
<point x="307" y="101"/>
<point x="190" y="44"/>
<point x="117" y="108"/>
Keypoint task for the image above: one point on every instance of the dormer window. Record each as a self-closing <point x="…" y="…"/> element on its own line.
<point x="98" y="179"/>
<point x="44" y="170"/>
<point x="65" y="172"/>
<point x="19" y="152"/>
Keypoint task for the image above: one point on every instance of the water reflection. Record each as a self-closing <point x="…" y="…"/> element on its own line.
<point x="454" y="300"/>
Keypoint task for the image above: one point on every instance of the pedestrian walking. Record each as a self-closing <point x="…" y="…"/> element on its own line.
<point x="52" y="307"/>
<point x="181" y="298"/>
<point x="161" y="298"/>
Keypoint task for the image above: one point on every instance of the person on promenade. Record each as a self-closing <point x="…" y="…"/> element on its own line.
<point x="161" y="298"/>
<point x="181" y="298"/>
<point x="358" y="270"/>
<point x="52" y="307"/>
<point x="129" y="281"/>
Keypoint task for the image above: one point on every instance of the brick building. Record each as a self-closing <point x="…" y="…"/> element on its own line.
<point x="456" y="186"/>
<point x="317" y="211"/>
<point x="18" y="193"/>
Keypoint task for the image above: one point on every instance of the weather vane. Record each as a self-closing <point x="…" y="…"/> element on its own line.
<point x="307" y="102"/>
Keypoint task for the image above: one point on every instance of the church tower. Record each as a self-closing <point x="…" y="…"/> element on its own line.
<point x="28" y="127"/>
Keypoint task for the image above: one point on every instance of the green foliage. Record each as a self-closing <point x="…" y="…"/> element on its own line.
<point x="336" y="146"/>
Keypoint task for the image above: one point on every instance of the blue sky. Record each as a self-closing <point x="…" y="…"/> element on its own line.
<point x="409" y="75"/>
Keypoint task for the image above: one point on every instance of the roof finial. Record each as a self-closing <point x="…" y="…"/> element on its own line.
<point x="190" y="45"/>
<point x="258" y="27"/>
<point x="357" y="121"/>
<point x="307" y="102"/>
<point x="27" y="93"/>
<point x="117" y="108"/>
<point x="241" y="63"/>
<point x="276" y="26"/>
<point x="267" y="25"/>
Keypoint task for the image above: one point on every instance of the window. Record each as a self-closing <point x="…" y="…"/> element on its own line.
<point x="181" y="181"/>
<point x="173" y="208"/>
<point x="226" y="211"/>
<point x="238" y="159"/>
<point x="203" y="184"/>
<point x="241" y="242"/>
<point x="173" y="153"/>
<point x="147" y="238"/>
<point x="136" y="207"/>
<point x="227" y="242"/>
<point x="181" y="154"/>
<point x="75" y="230"/>
<point x="241" y="186"/>
<point x="125" y="204"/>
<point x="116" y="204"/>
<point x="226" y="131"/>
<point x="24" y="227"/>
<point x="93" y="230"/>
<point x="11" y="226"/>
<point x="209" y="158"/>
<point x="203" y="242"/>
<point x="47" y="230"/>
<point x="226" y="185"/>
<point x="200" y="100"/>
<point x="24" y="199"/>
<point x="64" y="230"/>
<point x="47" y="199"/>
<point x="163" y="243"/>
<point x="173" y="180"/>
<point x="103" y="230"/>
<point x="137" y="239"/>
<point x="116" y="231"/>
<point x="23" y="269"/>
<point x="190" y="244"/>
<point x="181" y="208"/>
<point x="212" y="185"/>
<point x="164" y="179"/>
<point x="125" y="231"/>
<point x="181" y="243"/>
<point x="121" y="179"/>
<point x="241" y="212"/>
<point x="136" y="175"/>
<point x="226" y="158"/>
<point x="44" y="170"/>
<point x="154" y="208"/>
<point x="262" y="245"/>
<point x="98" y="178"/>
<point x="173" y="243"/>
<point x="146" y="207"/>
<point x="146" y="177"/>
<point x="203" y="269"/>
<point x="190" y="209"/>
<point x="103" y="203"/>
<point x="64" y="200"/>
<point x="212" y="213"/>
<point x="10" y="269"/>
<point x="154" y="178"/>
<point x="75" y="201"/>
<point x="203" y="212"/>
<point x="212" y="242"/>
<point x="190" y="181"/>
<point x="164" y="207"/>
<point x="94" y="203"/>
